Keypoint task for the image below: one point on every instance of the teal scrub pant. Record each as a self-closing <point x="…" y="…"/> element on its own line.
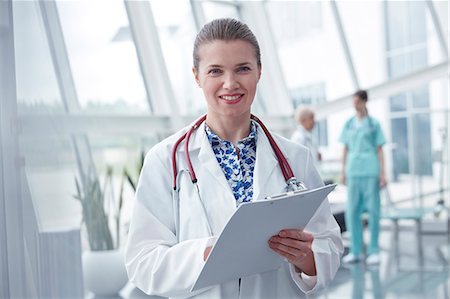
<point x="363" y="195"/>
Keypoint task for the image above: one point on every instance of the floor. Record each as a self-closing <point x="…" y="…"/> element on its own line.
<point x="401" y="273"/>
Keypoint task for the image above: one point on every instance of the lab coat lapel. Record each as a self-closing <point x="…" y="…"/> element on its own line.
<point x="213" y="186"/>
<point x="208" y="160"/>
<point x="265" y="174"/>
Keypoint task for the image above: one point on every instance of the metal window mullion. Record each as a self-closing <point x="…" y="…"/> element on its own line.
<point x="437" y="27"/>
<point x="411" y="152"/>
<point x="14" y="278"/>
<point x="344" y="43"/>
<point x="386" y="88"/>
<point x="59" y="56"/>
<point x="151" y="58"/>
<point x="198" y="13"/>
<point x="273" y="87"/>
<point x="66" y="84"/>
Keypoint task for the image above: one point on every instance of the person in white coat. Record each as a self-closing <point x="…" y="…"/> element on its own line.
<point x="169" y="241"/>
<point x="303" y="134"/>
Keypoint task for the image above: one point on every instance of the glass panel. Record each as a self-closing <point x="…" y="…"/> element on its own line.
<point x="177" y="33"/>
<point x="49" y="160"/>
<point x="37" y="88"/>
<point x="419" y="59"/>
<point x="51" y="171"/>
<point x="397" y="65"/>
<point x="292" y="21"/>
<point x="417" y="22"/>
<point x="422" y="144"/>
<point x="400" y="147"/>
<point x="420" y="97"/>
<point x="397" y="23"/>
<point x="398" y="102"/>
<point x="103" y="56"/>
<point x="368" y="54"/>
<point x="439" y="94"/>
<point x="51" y="215"/>
<point x="407" y="48"/>
<point x="406" y="61"/>
<point x="120" y="154"/>
<point x="439" y="151"/>
<point x="309" y="56"/>
<point x="441" y="8"/>
<point x="218" y="10"/>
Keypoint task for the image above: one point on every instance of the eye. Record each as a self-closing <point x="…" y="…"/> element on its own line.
<point x="215" y="72"/>
<point x="243" y="69"/>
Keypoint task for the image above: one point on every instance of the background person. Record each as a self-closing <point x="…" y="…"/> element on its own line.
<point x="303" y="134"/>
<point x="234" y="163"/>
<point x="363" y="172"/>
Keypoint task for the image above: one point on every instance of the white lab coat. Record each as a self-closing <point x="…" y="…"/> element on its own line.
<point x="306" y="138"/>
<point x="160" y="265"/>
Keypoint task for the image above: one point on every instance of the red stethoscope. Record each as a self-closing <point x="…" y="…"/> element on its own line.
<point x="291" y="181"/>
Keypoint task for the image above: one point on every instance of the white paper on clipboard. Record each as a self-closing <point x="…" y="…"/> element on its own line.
<point x="242" y="249"/>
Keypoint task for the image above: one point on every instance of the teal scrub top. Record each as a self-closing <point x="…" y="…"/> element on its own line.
<point x="362" y="140"/>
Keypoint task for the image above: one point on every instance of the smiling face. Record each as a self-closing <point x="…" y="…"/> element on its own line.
<point x="228" y="73"/>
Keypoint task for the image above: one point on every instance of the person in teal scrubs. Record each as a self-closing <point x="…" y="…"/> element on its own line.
<point x="363" y="172"/>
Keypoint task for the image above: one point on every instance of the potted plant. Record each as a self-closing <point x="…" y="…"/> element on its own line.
<point x="103" y="265"/>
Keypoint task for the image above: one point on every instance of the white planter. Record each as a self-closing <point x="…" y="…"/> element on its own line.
<point x="104" y="272"/>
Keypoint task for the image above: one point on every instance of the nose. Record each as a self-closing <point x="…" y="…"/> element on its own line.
<point x="230" y="82"/>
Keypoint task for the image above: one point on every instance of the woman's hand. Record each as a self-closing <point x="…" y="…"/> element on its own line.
<point x="295" y="246"/>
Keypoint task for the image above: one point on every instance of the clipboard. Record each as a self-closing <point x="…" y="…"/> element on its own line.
<point x="242" y="249"/>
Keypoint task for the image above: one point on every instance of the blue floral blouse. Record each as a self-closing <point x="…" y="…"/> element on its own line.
<point x="237" y="163"/>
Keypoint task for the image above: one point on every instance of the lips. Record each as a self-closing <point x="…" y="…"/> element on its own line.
<point x="231" y="98"/>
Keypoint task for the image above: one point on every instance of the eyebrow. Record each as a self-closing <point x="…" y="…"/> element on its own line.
<point x="239" y="64"/>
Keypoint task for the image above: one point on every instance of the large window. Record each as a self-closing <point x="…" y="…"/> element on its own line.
<point x="102" y="56"/>
<point x="37" y="87"/>
<point x="363" y="29"/>
<point x="305" y="32"/>
<point x="214" y="10"/>
<point x="419" y="116"/>
<point x="176" y="30"/>
<point x="406" y="52"/>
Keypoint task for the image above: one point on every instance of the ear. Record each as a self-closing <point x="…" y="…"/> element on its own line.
<point x="194" y="71"/>
<point x="260" y="71"/>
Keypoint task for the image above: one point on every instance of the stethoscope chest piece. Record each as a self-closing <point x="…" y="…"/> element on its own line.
<point x="295" y="185"/>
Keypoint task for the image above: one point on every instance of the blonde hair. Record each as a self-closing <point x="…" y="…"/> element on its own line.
<point x="226" y="29"/>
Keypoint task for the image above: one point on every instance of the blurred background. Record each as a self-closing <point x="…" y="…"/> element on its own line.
<point x="88" y="87"/>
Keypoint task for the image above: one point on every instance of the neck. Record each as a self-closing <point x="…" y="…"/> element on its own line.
<point x="231" y="129"/>
<point x="361" y="114"/>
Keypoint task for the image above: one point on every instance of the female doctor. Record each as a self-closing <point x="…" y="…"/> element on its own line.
<point x="175" y="221"/>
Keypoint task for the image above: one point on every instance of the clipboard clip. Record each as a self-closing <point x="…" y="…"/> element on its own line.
<point x="293" y="187"/>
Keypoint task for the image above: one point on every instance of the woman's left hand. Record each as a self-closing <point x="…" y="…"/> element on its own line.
<point x="295" y="246"/>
